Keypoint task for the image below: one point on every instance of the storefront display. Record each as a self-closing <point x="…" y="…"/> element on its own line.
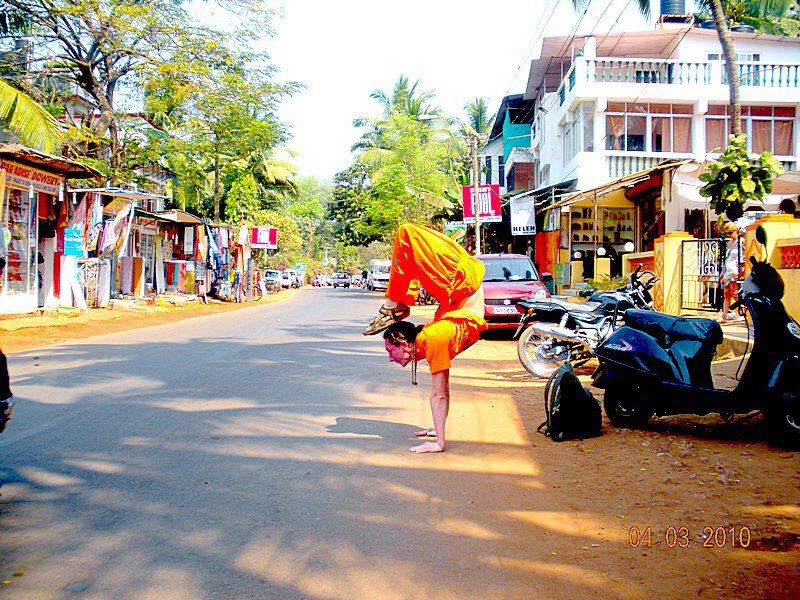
<point x="20" y="232"/>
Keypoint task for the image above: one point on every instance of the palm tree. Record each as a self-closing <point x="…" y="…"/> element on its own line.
<point x="20" y="113"/>
<point x="28" y="120"/>
<point x="776" y="17"/>
<point x="478" y="118"/>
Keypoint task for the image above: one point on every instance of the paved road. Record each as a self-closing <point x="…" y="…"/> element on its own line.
<point x="254" y="454"/>
<point x="263" y="454"/>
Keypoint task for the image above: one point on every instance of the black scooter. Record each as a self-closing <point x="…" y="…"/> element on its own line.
<point x="661" y="364"/>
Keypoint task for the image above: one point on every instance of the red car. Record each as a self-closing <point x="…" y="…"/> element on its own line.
<point x="508" y="279"/>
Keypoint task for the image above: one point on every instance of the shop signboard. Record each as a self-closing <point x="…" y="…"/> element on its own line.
<point x="23" y="176"/>
<point x="264" y="238"/>
<point x="488" y="203"/>
<point x="73" y="241"/>
<point x="523" y="216"/>
<point x="299" y="266"/>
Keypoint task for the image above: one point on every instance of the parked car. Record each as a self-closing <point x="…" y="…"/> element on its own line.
<point x="287" y="278"/>
<point x="509" y="278"/>
<point x="272" y="280"/>
<point x="341" y="279"/>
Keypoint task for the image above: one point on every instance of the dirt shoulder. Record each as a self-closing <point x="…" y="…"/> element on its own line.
<point x="663" y="511"/>
<point x="23" y="332"/>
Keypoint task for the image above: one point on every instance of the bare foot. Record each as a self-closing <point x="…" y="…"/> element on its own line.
<point x="427" y="447"/>
<point x="426" y="433"/>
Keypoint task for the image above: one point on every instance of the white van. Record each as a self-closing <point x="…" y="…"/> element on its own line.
<point x="378" y="274"/>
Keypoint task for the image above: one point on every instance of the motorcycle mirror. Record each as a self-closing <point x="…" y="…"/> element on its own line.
<point x="761" y="235"/>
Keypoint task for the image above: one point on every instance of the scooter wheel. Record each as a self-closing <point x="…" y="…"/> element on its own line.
<point x="626" y="406"/>
<point x="783" y="417"/>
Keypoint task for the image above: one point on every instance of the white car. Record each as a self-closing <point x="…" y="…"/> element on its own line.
<point x="272" y="276"/>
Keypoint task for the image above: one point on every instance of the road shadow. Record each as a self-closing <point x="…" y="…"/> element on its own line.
<point x="381" y="429"/>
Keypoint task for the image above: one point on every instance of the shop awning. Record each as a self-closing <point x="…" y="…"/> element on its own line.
<point x="618" y="185"/>
<point x="146" y="214"/>
<point x="122" y="193"/>
<point x="70" y="169"/>
<point x="546" y="193"/>
<point x="179" y="216"/>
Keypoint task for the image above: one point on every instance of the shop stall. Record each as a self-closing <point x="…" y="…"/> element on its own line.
<point x="34" y="211"/>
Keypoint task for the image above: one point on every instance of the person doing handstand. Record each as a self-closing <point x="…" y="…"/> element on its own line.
<point x="427" y="258"/>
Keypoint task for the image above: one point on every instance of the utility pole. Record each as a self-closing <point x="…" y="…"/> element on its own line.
<point x="475" y="199"/>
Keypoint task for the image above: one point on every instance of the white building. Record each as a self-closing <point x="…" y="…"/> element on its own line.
<point x="612" y="105"/>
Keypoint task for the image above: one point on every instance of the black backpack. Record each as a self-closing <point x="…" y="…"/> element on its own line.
<point x="572" y="412"/>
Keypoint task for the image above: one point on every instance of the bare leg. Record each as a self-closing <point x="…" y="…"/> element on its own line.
<point x="440" y="407"/>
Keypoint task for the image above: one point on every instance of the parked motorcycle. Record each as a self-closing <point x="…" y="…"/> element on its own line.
<point x="552" y="331"/>
<point x="661" y="365"/>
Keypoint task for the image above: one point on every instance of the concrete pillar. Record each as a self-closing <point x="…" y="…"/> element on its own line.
<point x="667" y="263"/>
<point x="576" y="272"/>
<point x="602" y="268"/>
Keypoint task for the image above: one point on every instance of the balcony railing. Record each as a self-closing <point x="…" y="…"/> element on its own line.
<point x="614" y="70"/>
<point x="677" y="72"/>
<point x="619" y="165"/>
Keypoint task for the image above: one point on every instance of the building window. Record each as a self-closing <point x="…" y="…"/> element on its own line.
<point x="501" y="171"/>
<point x="488" y="170"/>
<point x="641" y="127"/>
<point x="767" y="128"/>
<point x="587" y="110"/>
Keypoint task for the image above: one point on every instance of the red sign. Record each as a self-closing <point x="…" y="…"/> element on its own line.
<point x="488" y="201"/>
<point x="265" y="238"/>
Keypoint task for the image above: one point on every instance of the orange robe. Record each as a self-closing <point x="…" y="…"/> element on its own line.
<point x="422" y="256"/>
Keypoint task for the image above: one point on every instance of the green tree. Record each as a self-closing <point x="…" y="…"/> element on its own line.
<point x="776" y="17"/>
<point x="28" y="120"/>
<point x="225" y="112"/>
<point x="732" y="180"/>
<point x="289" y="241"/>
<point x="117" y="46"/>
<point x="352" y="192"/>
<point x="479" y="120"/>
<point x="308" y="210"/>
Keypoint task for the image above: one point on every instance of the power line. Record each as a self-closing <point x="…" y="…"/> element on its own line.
<point x="571" y="38"/>
<point x="532" y="45"/>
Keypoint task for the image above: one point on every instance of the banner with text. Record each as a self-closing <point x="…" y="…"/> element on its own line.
<point x="264" y="238"/>
<point x="488" y="204"/>
<point x="24" y="176"/>
<point x="523" y="216"/>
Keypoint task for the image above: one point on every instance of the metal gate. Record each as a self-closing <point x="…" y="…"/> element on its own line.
<point x="701" y="273"/>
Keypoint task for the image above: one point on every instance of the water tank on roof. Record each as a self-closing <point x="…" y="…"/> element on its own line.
<point x="673" y="7"/>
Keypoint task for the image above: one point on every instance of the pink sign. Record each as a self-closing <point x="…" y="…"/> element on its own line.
<point x="265" y="238"/>
<point x="488" y="201"/>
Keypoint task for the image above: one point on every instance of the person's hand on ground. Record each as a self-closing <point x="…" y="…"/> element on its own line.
<point x="427" y="447"/>
<point x="426" y="433"/>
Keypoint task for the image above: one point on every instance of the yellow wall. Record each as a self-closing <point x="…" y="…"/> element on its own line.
<point x="667" y="291"/>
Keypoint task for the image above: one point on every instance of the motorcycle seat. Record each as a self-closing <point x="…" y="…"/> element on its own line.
<point x="669" y="329"/>
<point x="577" y="306"/>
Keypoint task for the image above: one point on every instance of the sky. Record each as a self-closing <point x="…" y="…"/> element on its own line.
<point x="342" y="51"/>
